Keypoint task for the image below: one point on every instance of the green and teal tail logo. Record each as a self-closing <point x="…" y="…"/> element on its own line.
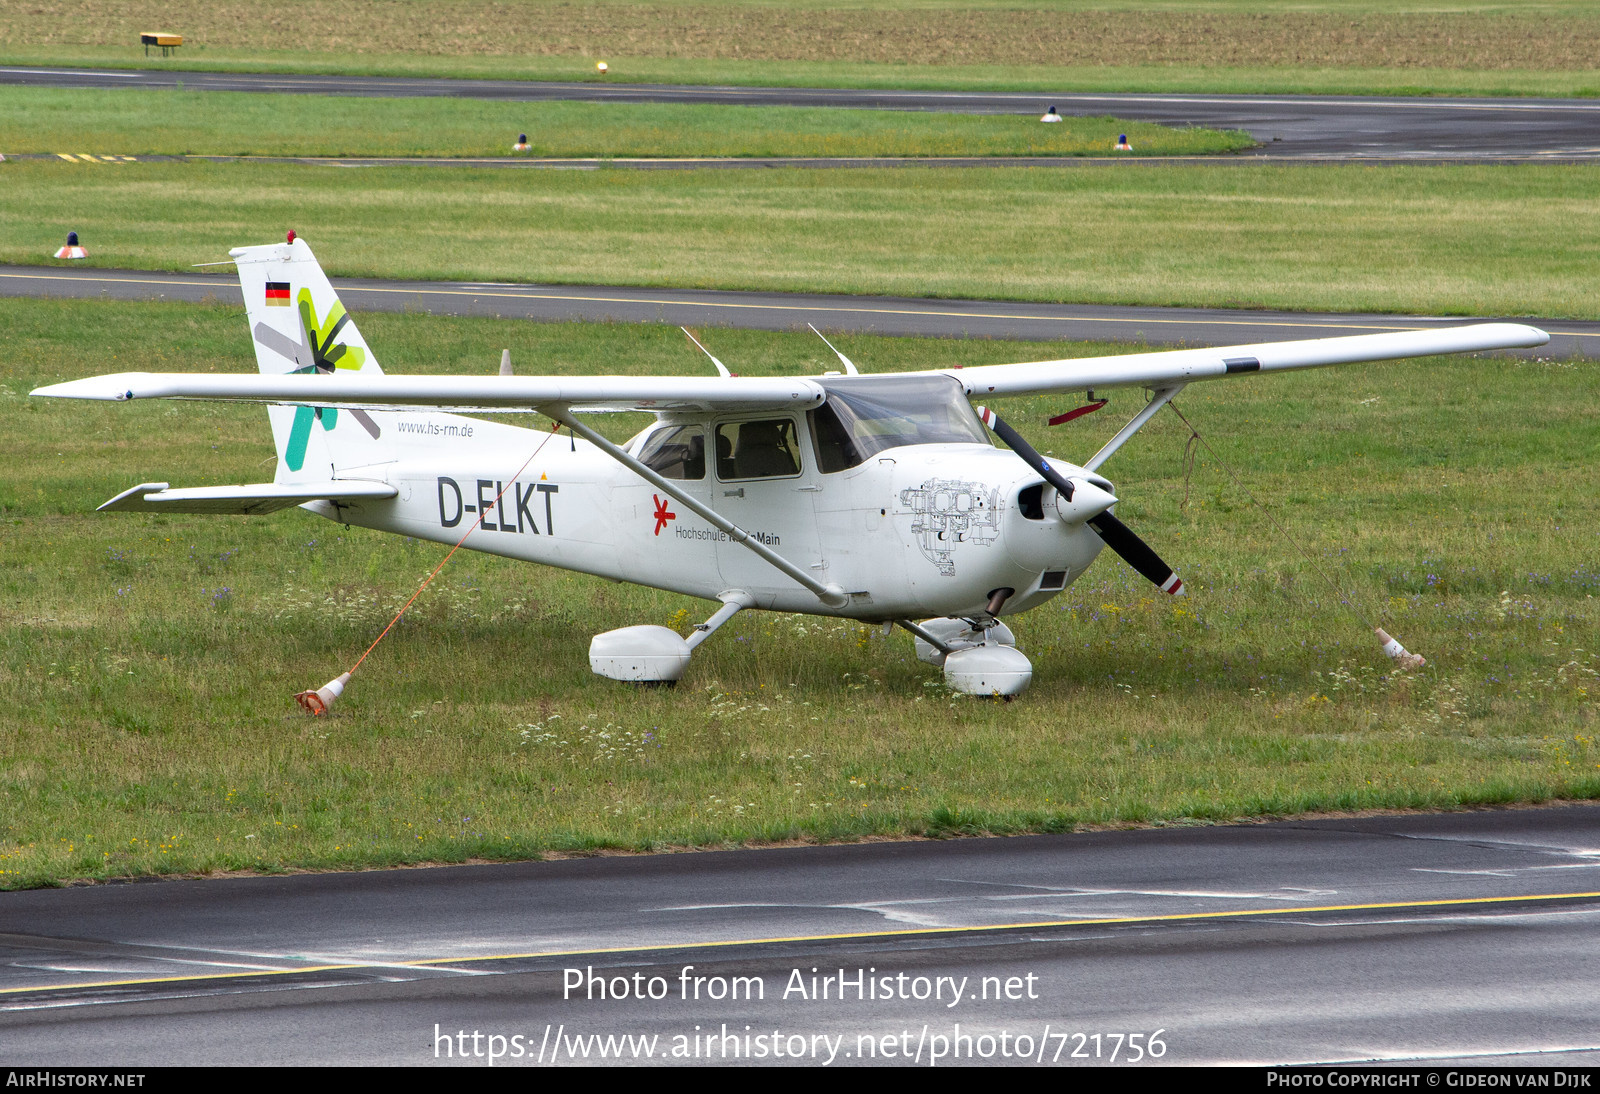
<point x="318" y="351"/>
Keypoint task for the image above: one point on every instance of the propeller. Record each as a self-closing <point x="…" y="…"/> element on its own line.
<point x="1117" y="536"/>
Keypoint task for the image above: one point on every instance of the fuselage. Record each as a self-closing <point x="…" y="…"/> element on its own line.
<point x="909" y="531"/>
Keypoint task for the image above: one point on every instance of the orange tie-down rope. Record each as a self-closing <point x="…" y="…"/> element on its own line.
<point x="317" y="702"/>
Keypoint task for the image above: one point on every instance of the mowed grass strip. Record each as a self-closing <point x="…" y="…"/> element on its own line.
<point x="224" y="123"/>
<point x="147" y="663"/>
<point x="1496" y="240"/>
<point x="1546" y="48"/>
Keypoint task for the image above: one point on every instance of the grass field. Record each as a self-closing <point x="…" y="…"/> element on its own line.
<point x="1508" y="240"/>
<point x="1229" y="45"/>
<point x="179" y="123"/>
<point x="147" y="663"/>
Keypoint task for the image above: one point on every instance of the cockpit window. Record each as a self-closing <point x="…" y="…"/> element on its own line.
<point x="676" y="452"/>
<point x="863" y="417"/>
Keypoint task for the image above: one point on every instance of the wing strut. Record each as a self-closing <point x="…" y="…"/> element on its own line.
<point x="830" y="594"/>
<point x="1159" y="398"/>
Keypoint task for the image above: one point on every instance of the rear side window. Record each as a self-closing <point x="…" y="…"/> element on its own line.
<point x="766" y="449"/>
<point x="676" y="452"/>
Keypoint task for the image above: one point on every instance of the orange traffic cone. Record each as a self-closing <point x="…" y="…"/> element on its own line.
<point x="317" y="702"/>
<point x="72" y="250"/>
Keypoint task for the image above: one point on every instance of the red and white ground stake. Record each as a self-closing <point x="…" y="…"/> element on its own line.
<point x="1402" y="656"/>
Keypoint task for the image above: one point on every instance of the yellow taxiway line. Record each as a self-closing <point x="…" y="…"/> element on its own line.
<point x="924" y="932"/>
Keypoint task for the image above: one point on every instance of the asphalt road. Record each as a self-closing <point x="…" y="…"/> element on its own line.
<point x="1293" y="126"/>
<point x="1463" y="937"/>
<point x="785" y="311"/>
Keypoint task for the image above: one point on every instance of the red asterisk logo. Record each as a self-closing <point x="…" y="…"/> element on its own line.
<point x="662" y="516"/>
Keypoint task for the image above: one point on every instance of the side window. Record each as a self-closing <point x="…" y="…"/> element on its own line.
<point x="676" y="452"/>
<point x="766" y="449"/>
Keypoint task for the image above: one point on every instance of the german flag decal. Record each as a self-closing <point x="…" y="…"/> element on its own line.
<point x="277" y="294"/>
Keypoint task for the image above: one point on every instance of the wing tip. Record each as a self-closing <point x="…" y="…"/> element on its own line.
<point x="117" y="387"/>
<point x="132" y="495"/>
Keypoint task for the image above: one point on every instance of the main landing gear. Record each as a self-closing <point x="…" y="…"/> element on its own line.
<point x="979" y="655"/>
<point x="656" y="655"/>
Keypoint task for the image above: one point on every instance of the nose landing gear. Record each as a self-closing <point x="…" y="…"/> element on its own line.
<point x="979" y="656"/>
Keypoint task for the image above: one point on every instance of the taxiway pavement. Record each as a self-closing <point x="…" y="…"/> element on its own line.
<point x="787" y="311"/>
<point x="1332" y="127"/>
<point x="1464" y="937"/>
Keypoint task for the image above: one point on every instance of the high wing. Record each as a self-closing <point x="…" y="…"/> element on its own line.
<point x="1184" y="366"/>
<point x="464" y="393"/>
<point x="714" y="393"/>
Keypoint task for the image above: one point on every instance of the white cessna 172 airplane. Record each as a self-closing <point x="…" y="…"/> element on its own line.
<point x="879" y="498"/>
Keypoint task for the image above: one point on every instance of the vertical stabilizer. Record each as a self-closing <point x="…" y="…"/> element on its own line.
<point x="298" y="325"/>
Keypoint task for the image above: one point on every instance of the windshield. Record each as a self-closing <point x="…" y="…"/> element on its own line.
<point x="864" y="416"/>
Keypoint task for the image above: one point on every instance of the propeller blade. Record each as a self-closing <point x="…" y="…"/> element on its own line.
<point x="1030" y="455"/>
<point x="1118" y="536"/>
<point x="1136" y="553"/>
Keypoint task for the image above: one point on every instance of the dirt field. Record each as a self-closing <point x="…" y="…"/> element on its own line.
<point x="1545" y="40"/>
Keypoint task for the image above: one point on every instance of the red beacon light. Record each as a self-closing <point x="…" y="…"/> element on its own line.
<point x="291" y="235"/>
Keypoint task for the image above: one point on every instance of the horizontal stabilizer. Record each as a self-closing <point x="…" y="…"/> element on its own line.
<point x="258" y="497"/>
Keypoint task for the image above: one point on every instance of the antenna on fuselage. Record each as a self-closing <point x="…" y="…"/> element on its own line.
<point x="721" y="368"/>
<point x="849" y="365"/>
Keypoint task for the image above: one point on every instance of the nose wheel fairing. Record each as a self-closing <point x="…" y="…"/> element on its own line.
<point x="979" y="656"/>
